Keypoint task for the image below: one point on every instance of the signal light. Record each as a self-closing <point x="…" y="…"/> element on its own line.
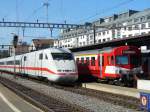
<point x="15" y="41"/>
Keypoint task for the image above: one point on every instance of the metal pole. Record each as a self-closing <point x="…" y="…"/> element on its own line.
<point x="15" y="62"/>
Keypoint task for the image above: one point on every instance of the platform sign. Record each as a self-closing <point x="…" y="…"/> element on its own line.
<point x="145" y="101"/>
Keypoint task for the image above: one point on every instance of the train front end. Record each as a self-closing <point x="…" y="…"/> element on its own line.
<point x="66" y="69"/>
<point x="128" y="64"/>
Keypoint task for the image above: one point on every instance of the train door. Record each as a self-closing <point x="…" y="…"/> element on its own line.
<point x="101" y="64"/>
<point x="40" y="64"/>
<point x="23" y="64"/>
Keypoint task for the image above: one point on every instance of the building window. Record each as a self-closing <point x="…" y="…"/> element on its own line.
<point x="143" y="33"/>
<point x="125" y="28"/>
<point x="123" y="36"/>
<point x="104" y="33"/>
<point x="148" y="17"/>
<point x="142" y="19"/>
<point x="136" y="20"/>
<point x="99" y="41"/>
<point x="104" y="40"/>
<point x="136" y="27"/>
<point x="107" y="32"/>
<point x="149" y="25"/>
<point x="83" y="43"/>
<point x="143" y="26"/>
<point x="129" y="28"/>
<point x="136" y="34"/>
<point x="91" y="37"/>
<point x="108" y="39"/>
<point x="130" y="35"/>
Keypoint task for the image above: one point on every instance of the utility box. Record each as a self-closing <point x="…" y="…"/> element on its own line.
<point x="145" y="101"/>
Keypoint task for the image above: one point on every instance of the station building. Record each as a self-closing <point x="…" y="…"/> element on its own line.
<point x="127" y="24"/>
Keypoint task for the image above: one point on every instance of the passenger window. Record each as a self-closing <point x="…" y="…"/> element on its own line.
<point x="87" y="61"/>
<point x="82" y="60"/>
<point x="112" y="60"/>
<point x="102" y="60"/>
<point x="17" y="62"/>
<point x="41" y="56"/>
<point x="109" y="60"/>
<point x="77" y="60"/>
<point x="93" y="61"/>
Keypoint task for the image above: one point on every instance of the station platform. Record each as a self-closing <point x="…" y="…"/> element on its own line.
<point x="133" y="92"/>
<point x="10" y="102"/>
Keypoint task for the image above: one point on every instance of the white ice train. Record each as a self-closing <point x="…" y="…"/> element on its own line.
<point x="55" y="64"/>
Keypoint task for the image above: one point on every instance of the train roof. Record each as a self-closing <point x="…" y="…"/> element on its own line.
<point x="96" y="51"/>
<point x="48" y="50"/>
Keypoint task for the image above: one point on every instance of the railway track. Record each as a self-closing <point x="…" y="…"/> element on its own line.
<point x="46" y="103"/>
<point x="124" y="101"/>
<point x="116" y="99"/>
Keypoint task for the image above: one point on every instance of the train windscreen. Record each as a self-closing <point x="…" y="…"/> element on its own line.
<point x="62" y="56"/>
<point x="122" y="60"/>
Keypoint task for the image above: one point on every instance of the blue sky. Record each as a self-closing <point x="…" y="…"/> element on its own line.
<point x="71" y="11"/>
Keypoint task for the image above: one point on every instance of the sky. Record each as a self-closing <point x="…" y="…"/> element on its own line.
<point x="59" y="11"/>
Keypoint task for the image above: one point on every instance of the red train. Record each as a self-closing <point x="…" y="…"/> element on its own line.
<point x="118" y="65"/>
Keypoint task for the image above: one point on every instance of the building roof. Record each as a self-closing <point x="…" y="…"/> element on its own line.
<point x="43" y="43"/>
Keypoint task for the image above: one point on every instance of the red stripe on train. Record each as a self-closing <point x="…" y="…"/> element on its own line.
<point x="30" y="68"/>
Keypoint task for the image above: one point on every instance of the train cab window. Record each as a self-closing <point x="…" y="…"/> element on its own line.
<point x="25" y="58"/>
<point x="46" y="57"/>
<point x="122" y="60"/>
<point x="82" y="60"/>
<point x="62" y="56"/>
<point x="40" y="56"/>
<point x="77" y="60"/>
<point x="87" y="61"/>
<point x="93" y="61"/>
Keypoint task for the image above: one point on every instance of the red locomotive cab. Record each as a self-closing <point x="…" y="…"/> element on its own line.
<point x="121" y="63"/>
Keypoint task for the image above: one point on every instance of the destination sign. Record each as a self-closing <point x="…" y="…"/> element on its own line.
<point x="129" y="52"/>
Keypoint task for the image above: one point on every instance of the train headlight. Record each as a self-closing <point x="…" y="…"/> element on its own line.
<point x="141" y="71"/>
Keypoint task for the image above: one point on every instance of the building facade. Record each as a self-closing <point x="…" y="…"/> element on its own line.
<point x="127" y="24"/>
